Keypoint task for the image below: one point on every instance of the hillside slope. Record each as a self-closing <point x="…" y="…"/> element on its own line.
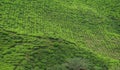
<point x="25" y="52"/>
<point x="89" y="24"/>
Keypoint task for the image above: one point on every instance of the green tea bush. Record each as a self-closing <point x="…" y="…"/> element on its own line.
<point x="77" y="64"/>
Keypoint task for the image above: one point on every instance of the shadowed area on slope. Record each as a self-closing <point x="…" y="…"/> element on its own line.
<point x="27" y="52"/>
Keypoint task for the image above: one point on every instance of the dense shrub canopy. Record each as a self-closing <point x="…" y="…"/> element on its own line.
<point x="43" y="34"/>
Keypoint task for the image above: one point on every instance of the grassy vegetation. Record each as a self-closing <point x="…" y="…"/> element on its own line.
<point x="24" y="52"/>
<point x="38" y="34"/>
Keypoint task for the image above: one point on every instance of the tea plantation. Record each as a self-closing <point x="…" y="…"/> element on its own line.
<point x="59" y="35"/>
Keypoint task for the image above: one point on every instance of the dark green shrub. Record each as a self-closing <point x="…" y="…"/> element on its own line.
<point x="77" y="64"/>
<point x="73" y="64"/>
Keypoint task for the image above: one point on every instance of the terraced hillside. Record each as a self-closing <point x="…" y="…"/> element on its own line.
<point x="40" y="34"/>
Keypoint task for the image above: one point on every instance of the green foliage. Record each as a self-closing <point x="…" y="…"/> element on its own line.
<point x="34" y="34"/>
<point x="77" y="64"/>
<point x="27" y="52"/>
<point x="88" y="23"/>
